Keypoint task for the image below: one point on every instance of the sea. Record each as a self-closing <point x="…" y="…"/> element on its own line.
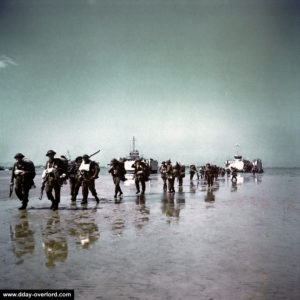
<point x="229" y="241"/>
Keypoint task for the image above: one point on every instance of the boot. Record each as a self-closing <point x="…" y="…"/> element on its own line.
<point x="84" y="201"/>
<point x="55" y="205"/>
<point x="24" y="205"/>
<point x="97" y="199"/>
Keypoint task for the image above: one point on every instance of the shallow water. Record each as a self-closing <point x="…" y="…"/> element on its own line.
<point x="233" y="241"/>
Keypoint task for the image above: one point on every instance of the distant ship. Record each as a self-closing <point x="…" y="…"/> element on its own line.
<point x="243" y="165"/>
<point x="134" y="155"/>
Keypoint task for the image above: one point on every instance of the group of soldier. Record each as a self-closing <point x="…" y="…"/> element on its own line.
<point x="82" y="172"/>
<point x="170" y="172"/>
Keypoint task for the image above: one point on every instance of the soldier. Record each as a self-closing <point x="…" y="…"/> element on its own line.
<point x="117" y="172"/>
<point x="140" y="172"/>
<point x="209" y="174"/>
<point x="24" y="172"/>
<point x="234" y="175"/>
<point x="163" y="174"/>
<point x="171" y="177"/>
<point x="74" y="177"/>
<point x="89" y="171"/>
<point x="181" y="173"/>
<point x="193" y="171"/>
<point x="53" y="177"/>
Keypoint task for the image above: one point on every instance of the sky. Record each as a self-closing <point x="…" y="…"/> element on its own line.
<point x="188" y="79"/>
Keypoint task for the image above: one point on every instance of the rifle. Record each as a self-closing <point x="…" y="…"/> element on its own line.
<point x="94" y="153"/>
<point x="11" y="189"/>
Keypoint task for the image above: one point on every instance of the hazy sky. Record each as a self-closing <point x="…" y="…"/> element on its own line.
<point x="189" y="79"/>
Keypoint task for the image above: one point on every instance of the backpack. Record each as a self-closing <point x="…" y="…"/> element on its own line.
<point x="30" y="166"/>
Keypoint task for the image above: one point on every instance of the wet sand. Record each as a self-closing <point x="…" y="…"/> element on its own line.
<point x="227" y="242"/>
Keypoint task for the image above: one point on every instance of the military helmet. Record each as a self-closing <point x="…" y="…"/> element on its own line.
<point x="168" y="161"/>
<point x="78" y="158"/>
<point x="113" y="161"/>
<point x="19" y="155"/>
<point x="50" y="152"/>
<point x="163" y="162"/>
<point x="85" y="156"/>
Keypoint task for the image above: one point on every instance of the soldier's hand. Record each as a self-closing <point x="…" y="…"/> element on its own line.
<point x="11" y="183"/>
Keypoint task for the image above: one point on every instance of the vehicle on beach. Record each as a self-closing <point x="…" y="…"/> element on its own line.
<point x="243" y="165"/>
<point x="133" y="156"/>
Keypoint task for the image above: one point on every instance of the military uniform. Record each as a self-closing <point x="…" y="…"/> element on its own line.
<point x="53" y="176"/>
<point x="163" y="174"/>
<point x="193" y="171"/>
<point x="23" y="172"/>
<point x="74" y="177"/>
<point x="209" y="175"/>
<point x="117" y="173"/>
<point x="171" y="177"/>
<point x="140" y="171"/>
<point x="89" y="171"/>
<point x="180" y="173"/>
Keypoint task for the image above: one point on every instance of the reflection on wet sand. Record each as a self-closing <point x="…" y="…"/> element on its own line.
<point x="22" y="237"/>
<point x="234" y="187"/>
<point x="142" y="216"/>
<point x="168" y="206"/>
<point x="83" y="227"/>
<point x="209" y="197"/>
<point x="54" y="241"/>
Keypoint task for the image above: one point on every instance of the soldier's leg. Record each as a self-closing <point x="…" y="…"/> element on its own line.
<point x="57" y="188"/>
<point x="165" y="184"/>
<point x="25" y="192"/>
<point x="118" y="188"/>
<point x="172" y="185"/>
<point x="137" y="184"/>
<point x="143" y="186"/>
<point x="76" y="189"/>
<point x="72" y="187"/>
<point x="18" y="188"/>
<point x="93" y="190"/>
<point x="180" y="180"/>
<point x="85" y="191"/>
<point x="49" y="188"/>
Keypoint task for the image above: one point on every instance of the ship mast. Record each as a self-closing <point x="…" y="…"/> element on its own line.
<point x="133" y="144"/>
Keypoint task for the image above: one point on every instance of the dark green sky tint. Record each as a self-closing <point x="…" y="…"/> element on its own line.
<point x="189" y="79"/>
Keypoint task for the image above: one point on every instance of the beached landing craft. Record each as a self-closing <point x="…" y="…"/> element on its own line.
<point x="243" y="165"/>
<point x="134" y="155"/>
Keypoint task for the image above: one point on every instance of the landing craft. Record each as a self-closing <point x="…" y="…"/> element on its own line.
<point x="243" y="165"/>
<point x="134" y="155"/>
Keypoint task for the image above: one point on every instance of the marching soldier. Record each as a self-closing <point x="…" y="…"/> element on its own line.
<point x="24" y="172"/>
<point x="117" y="171"/>
<point x="163" y="174"/>
<point x="181" y="173"/>
<point x="89" y="171"/>
<point x="171" y="177"/>
<point x="53" y="177"/>
<point x="209" y="174"/>
<point x="234" y="175"/>
<point x="193" y="171"/>
<point x="140" y="172"/>
<point x="74" y="177"/>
